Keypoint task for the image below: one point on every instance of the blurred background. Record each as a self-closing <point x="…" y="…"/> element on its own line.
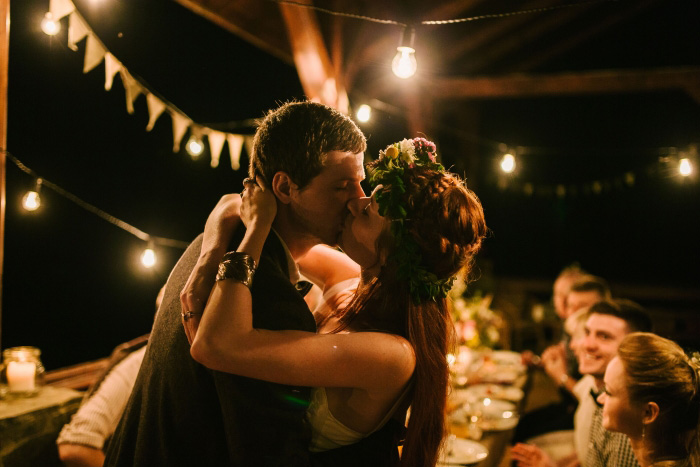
<point x="597" y="102"/>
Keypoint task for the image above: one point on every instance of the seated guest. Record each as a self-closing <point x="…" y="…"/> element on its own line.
<point x="560" y="363"/>
<point x="652" y="394"/>
<point x="607" y="324"/>
<point x="81" y="443"/>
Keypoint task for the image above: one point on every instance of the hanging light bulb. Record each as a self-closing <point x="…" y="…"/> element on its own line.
<point x="50" y="26"/>
<point x="508" y="163"/>
<point x="404" y="64"/>
<point x="32" y="201"/>
<point x="148" y="257"/>
<point x="364" y="113"/>
<point x="194" y="146"/>
<point x="685" y="167"/>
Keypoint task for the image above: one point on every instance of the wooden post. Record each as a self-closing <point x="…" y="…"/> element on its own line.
<point x="4" y="60"/>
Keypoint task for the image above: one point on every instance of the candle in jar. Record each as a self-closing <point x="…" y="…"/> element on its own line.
<point x="20" y="376"/>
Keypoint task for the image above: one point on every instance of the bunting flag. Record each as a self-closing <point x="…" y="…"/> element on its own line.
<point x="235" y="145"/>
<point x="155" y="109"/>
<point x="96" y="52"/>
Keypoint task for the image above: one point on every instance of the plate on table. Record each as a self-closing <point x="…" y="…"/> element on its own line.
<point x="493" y="391"/>
<point x="496" y="415"/>
<point x="506" y="357"/>
<point x="460" y="451"/>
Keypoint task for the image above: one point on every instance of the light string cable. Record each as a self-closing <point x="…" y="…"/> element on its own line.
<point x="97" y="211"/>
<point x="446" y="21"/>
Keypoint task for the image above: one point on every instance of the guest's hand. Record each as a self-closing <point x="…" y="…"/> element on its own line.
<point x="528" y="455"/>
<point x="259" y="205"/>
<point x="554" y="362"/>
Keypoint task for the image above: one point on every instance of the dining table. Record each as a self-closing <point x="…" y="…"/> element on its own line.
<point x="488" y="393"/>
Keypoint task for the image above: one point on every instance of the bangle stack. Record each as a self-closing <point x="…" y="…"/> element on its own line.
<point x="237" y="266"/>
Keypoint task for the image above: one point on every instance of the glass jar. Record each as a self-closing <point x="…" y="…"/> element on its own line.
<point x="22" y="371"/>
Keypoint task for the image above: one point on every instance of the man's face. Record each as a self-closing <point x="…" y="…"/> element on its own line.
<point x="575" y="300"/>
<point x="603" y="334"/>
<point x="319" y="208"/>
<point x="619" y="413"/>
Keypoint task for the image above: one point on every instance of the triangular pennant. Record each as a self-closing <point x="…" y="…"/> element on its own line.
<point x="216" y="143"/>
<point x="235" y="145"/>
<point x="60" y="8"/>
<point x="94" y="53"/>
<point x="112" y="67"/>
<point x="77" y="30"/>
<point x="155" y="109"/>
<point x="132" y="88"/>
<point x="180" y="124"/>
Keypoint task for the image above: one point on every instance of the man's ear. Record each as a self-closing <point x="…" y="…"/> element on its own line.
<point x="651" y="412"/>
<point x="282" y="186"/>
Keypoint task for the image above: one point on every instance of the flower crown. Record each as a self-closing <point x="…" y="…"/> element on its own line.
<point x="388" y="171"/>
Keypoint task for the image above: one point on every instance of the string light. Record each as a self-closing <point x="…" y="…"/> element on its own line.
<point x="685" y="168"/>
<point x="364" y="112"/>
<point x="194" y="146"/>
<point x="148" y="257"/>
<point x="50" y="26"/>
<point x="508" y="163"/>
<point x="31" y="201"/>
<point x="404" y="64"/>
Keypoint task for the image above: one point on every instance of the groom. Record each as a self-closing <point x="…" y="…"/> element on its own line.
<point x="183" y="414"/>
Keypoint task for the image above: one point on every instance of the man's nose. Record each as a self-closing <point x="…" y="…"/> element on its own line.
<point x="356" y="191"/>
<point x="357" y="205"/>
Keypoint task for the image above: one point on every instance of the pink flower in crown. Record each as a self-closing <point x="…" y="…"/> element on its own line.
<point x="422" y="145"/>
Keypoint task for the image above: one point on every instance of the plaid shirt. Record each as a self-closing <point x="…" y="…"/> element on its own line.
<point x="606" y="448"/>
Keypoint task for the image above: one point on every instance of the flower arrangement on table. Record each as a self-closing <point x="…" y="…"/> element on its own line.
<point x="476" y="324"/>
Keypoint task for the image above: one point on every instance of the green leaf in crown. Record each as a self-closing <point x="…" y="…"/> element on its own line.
<point x="388" y="171"/>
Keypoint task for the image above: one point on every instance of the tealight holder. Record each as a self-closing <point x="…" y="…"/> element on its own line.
<point x="22" y="373"/>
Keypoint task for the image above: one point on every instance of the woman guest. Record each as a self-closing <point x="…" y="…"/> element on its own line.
<point x="652" y="394"/>
<point x="387" y="348"/>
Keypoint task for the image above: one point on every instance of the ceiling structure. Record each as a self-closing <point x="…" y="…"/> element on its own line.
<point x="507" y="49"/>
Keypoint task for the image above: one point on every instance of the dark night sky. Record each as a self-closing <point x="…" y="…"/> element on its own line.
<point x="72" y="285"/>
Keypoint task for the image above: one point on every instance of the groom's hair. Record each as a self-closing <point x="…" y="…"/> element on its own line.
<point x="295" y="138"/>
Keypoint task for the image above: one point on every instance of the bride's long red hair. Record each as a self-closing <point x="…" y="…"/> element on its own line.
<point x="446" y="220"/>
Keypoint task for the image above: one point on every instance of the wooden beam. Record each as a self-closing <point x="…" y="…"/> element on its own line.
<point x="313" y="64"/>
<point x="4" y="64"/>
<point x="591" y="82"/>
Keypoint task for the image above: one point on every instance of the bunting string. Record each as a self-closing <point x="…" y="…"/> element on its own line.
<point x="96" y="52"/>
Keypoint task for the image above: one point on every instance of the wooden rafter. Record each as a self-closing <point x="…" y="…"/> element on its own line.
<point x="593" y="82"/>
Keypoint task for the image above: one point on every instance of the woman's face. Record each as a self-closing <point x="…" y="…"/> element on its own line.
<point x="363" y="227"/>
<point x="619" y="413"/>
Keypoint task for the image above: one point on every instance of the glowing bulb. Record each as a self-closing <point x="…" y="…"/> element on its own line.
<point x="195" y="146"/>
<point x="685" y="167"/>
<point x="508" y="163"/>
<point x="49" y="25"/>
<point x="364" y="113"/>
<point x="31" y="201"/>
<point x="404" y="64"/>
<point x="148" y="258"/>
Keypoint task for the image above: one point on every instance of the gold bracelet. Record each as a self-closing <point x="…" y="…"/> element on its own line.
<point x="237" y="266"/>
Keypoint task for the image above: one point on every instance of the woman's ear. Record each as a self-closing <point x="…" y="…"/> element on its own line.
<point x="651" y="412"/>
<point x="282" y="186"/>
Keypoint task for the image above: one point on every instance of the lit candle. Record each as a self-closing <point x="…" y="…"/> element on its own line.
<point x="20" y="376"/>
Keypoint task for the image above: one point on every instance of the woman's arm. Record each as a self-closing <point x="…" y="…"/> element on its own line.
<point x="326" y="266"/>
<point x="226" y="340"/>
<point x="218" y="231"/>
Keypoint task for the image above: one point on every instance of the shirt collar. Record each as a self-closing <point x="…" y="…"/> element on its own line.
<point x="294" y="274"/>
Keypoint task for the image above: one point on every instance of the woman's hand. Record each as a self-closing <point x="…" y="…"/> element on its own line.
<point x="259" y="204"/>
<point x="218" y="231"/>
